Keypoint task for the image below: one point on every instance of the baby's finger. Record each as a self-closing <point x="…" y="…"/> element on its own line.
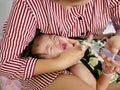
<point x="87" y="43"/>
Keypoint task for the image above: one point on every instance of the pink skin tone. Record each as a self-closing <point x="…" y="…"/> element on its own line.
<point x="53" y="45"/>
<point x="50" y="46"/>
<point x="67" y="4"/>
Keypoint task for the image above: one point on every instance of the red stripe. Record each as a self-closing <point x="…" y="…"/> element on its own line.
<point x="27" y="15"/>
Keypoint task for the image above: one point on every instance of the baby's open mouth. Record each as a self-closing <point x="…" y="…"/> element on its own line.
<point x="64" y="46"/>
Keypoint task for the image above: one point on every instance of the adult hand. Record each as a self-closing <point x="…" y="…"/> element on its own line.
<point x="66" y="59"/>
<point x="113" y="44"/>
<point x="72" y="55"/>
<point x="108" y="68"/>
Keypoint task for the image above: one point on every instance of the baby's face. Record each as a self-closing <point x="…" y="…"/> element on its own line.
<point x="51" y="45"/>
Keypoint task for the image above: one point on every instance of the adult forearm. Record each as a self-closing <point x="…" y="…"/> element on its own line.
<point x="64" y="60"/>
<point x="103" y="82"/>
<point x="46" y="66"/>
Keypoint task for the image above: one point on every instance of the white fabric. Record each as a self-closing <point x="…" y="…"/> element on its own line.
<point x="110" y="28"/>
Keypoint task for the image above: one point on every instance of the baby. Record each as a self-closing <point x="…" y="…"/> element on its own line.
<point x="50" y="46"/>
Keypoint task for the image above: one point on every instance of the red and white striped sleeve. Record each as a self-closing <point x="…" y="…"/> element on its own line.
<point x="18" y="32"/>
<point x="115" y="13"/>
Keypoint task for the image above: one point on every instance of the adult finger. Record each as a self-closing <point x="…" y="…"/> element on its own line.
<point x="89" y="39"/>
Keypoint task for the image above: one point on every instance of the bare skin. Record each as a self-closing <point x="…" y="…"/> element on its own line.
<point x="83" y="73"/>
<point x="68" y="82"/>
<point x="85" y="81"/>
<point x="78" y="70"/>
<point x="65" y="82"/>
<point x="114" y="86"/>
<point x="69" y="4"/>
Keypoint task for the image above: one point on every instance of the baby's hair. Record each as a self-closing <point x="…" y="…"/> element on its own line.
<point x="27" y="52"/>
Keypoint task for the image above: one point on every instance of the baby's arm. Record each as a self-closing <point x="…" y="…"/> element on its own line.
<point x="83" y="73"/>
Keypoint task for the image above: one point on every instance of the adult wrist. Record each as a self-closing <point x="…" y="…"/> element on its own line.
<point x="107" y="74"/>
<point x="61" y="63"/>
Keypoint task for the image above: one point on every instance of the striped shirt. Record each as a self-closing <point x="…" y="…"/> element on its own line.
<point x="50" y="18"/>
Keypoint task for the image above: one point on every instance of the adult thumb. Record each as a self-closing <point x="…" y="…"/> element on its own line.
<point x="89" y="39"/>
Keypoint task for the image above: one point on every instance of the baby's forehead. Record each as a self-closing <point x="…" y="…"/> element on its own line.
<point x="43" y="38"/>
<point x="45" y="35"/>
<point x="40" y="37"/>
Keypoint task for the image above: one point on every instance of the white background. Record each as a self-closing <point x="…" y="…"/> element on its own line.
<point x="5" y="6"/>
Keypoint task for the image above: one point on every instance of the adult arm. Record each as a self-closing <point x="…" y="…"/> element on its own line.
<point x="113" y="44"/>
<point x="64" y="60"/>
<point x="17" y="33"/>
<point x="104" y="79"/>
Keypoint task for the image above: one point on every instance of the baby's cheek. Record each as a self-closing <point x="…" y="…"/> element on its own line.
<point x="58" y="52"/>
<point x="70" y="45"/>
